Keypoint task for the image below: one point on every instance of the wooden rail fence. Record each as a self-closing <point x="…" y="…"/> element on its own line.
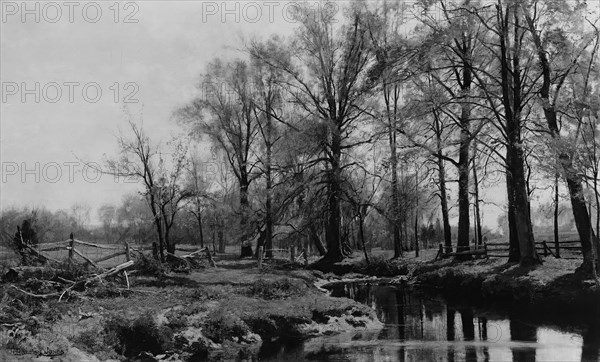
<point x="501" y="250"/>
<point x="106" y="251"/>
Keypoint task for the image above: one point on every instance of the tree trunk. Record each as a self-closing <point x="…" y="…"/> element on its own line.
<point x="444" y="201"/>
<point x="522" y="218"/>
<point x="334" y="250"/>
<point x="220" y="227"/>
<point x="244" y="185"/>
<point x="316" y="240"/>
<point x="556" y="208"/>
<point x="512" y="100"/>
<point x="478" y="232"/>
<point x="463" y="193"/>
<point x="201" y="230"/>
<point x="417" y="233"/>
<point x="574" y="184"/>
<point x="395" y="201"/>
<point x="269" y="210"/>
<point x="362" y="236"/>
<point x="159" y="232"/>
<point x="463" y="153"/>
<point x="198" y="215"/>
<point x="513" y="240"/>
<point x="582" y="221"/>
<point x="169" y="245"/>
<point x="214" y="234"/>
<point x="417" y="212"/>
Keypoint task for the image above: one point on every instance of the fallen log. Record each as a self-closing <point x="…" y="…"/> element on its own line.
<point x="114" y="270"/>
<point x="195" y="255"/>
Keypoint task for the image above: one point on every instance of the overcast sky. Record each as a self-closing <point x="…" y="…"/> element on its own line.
<point x="56" y="57"/>
<point x="154" y="53"/>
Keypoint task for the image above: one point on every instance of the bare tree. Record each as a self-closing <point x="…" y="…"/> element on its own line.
<point x="328" y="82"/>
<point x="140" y="159"/>
<point x="226" y="112"/>
<point x="550" y="94"/>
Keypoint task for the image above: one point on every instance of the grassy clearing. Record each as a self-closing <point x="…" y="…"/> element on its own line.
<point x="213" y="314"/>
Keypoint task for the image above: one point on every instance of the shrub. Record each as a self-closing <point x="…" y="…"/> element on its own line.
<point x="381" y="266"/>
<point x="149" y="266"/>
<point x="222" y="325"/>
<point x="277" y="289"/>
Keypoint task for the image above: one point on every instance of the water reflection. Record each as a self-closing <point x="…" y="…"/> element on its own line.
<point x="421" y="328"/>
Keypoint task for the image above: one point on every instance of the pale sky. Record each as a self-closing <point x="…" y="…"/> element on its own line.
<point x="154" y="52"/>
<point x="162" y="53"/>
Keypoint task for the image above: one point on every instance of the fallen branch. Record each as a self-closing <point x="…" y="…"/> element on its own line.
<point x="114" y="270"/>
<point x="42" y="296"/>
<point x="126" y="278"/>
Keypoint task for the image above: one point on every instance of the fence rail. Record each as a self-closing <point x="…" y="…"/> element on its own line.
<point x="96" y="254"/>
<point x="501" y="250"/>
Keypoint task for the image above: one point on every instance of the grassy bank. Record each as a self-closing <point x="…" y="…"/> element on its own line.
<point x="223" y="313"/>
<point x="550" y="288"/>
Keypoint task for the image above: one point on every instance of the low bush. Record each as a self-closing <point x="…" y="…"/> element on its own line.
<point x="149" y="266"/>
<point x="381" y="266"/>
<point x="277" y="289"/>
<point x="222" y="325"/>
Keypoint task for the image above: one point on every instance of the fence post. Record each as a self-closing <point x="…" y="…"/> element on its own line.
<point x="155" y="250"/>
<point x="260" y="256"/>
<point x="127" y="251"/>
<point x="305" y="252"/>
<point x="293" y="253"/>
<point x="440" y="252"/>
<point x="71" y="246"/>
<point x="545" y="248"/>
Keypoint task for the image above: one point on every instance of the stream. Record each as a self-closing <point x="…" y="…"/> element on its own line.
<point x="423" y="327"/>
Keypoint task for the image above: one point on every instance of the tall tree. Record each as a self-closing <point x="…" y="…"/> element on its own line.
<point x="138" y="159"/>
<point x="456" y="37"/>
<point x="328" y="82"/>
<point x="507" y="83"/>
<point x="226" y="113"/>
<point x="551" y="41"/>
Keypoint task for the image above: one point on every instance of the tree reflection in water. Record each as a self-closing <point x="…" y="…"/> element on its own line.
<point x="419" y="327"/>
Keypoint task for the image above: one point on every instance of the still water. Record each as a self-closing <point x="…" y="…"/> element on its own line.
<point x="422" y="327"/>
